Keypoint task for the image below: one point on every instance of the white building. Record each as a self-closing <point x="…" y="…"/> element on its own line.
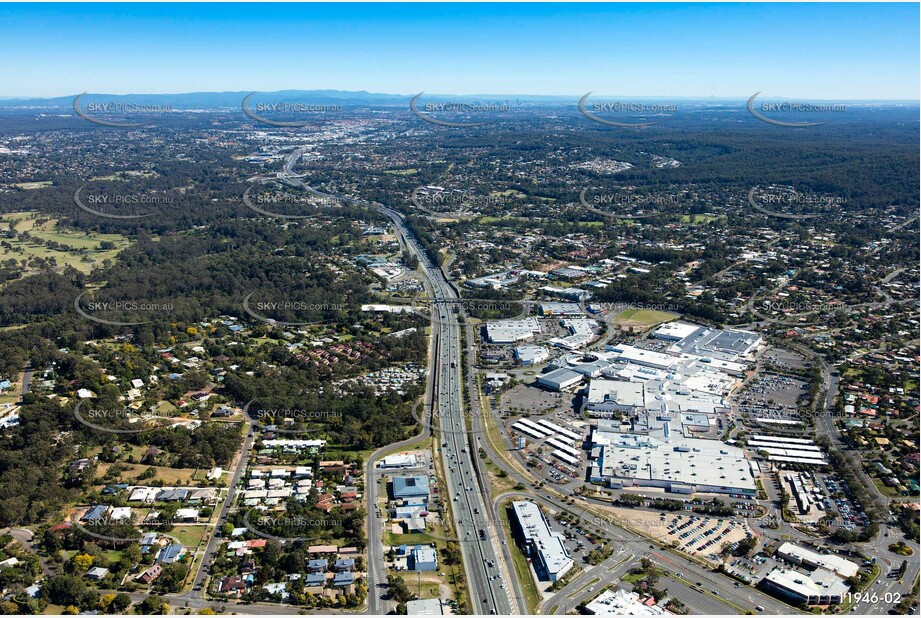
<point x="670" y="461"/>
<point x="621" y="602"/>
<point x="558" y="379"/>
<point x="806" y="557"/>
<point x="511" y="331"/>
<point x="608" y="396"/>
<point x="549" y="555"/>
<point x="424" y="607"/>
<point x="532" y="354"/>
<point x="400" y="460"/>
<point x="821" y="587"/>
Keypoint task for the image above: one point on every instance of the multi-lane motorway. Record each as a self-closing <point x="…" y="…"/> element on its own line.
<point x="475" y="532"/>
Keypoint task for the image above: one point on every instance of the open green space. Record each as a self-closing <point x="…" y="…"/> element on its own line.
<point x="642" y="317"/>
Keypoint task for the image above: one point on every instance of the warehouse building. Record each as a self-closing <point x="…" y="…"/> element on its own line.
<point x="821" y="587"/>
<point x="703" y="341"/>
<point x="806" y="557"/>
<point x="409" y="487"/>
<point x="545" y="547"/>
<point x="511" y="331"/>
<point x="558" y="379"/>
<point x="669" y="461"/>
<point x="529" y="355"/>
<point x="424" y="607"/>
<point x="557" y="309"/>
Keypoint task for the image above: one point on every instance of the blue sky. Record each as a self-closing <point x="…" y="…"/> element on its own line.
<point x="819" y="51"/>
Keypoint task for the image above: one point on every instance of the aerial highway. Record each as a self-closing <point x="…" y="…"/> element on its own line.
<point x="475" y="532"/>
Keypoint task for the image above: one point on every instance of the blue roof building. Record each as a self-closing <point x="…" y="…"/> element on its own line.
<point x="317" y="566"/>
<point x="170" y="554"/>
<point x="344" y="564"/>
<point x="410" y="487"/>
<point x="343" y="579"/>
<point x="423" y="558"/>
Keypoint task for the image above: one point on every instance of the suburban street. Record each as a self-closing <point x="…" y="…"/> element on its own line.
<point x="475" y="531"/>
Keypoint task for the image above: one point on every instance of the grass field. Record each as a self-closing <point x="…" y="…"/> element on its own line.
<point x="487" y="220"/>
<point x="407" y="172"/>
<point x="30" y="186"/>
<point x="190" y="536"/>
<point x="415" y="538"/>
<point x="83" y="251"/>
<point x="642" y="318"/>
<point x="169" y="476"/>
<point x="700" y="219"/>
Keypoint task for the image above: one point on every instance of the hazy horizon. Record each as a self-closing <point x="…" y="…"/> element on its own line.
<point x="825" y="51"/>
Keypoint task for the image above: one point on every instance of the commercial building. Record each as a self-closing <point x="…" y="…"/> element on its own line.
<point x="556" y="309"/>
<point x="608" y="396"/>
<point x="545" y="547"/>
<point x="670" y="461"/>
<point x="424" y="607"/>
<point x="646" y="358"/>
<point x="408" y="487"/>
<point x="422" y="558"/>
<point x="495" y="281"/>
<point x="294" y="445"/>
<point x="401" y="460"/>
<point x="821" y="587"/>
<point x="704" y="341"/>
<point x="621" y="602"/>
<point x="558" y="379"/>
<point x="531" y="354"/>
<point x="581" y="333"/>
<point x="806" y="557"/>
<point x="675" y="331"/>
<point x="511" y="331"/>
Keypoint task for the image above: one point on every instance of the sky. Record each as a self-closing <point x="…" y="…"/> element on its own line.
<point x="816" y="51"/>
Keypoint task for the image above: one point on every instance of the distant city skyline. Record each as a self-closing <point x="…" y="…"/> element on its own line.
<point x="725" y="51"/>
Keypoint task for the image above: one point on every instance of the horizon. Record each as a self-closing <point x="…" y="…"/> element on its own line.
<point x="829" y="51"/>
<point x="435" y="95"/>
